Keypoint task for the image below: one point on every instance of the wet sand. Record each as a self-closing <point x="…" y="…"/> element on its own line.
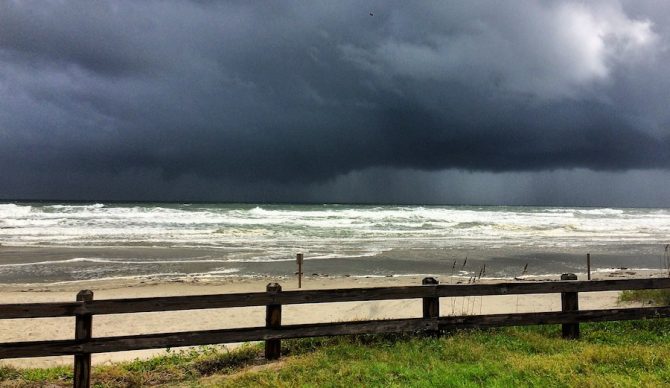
<point x="49" y="265"/>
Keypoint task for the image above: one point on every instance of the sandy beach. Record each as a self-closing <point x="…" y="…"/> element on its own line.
<point x="144" y="323"/>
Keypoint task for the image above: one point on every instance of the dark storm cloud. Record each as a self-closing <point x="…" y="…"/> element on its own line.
<point x="248" y="92"/>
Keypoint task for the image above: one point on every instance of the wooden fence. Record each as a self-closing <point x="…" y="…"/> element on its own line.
<point x="83" y="309"/>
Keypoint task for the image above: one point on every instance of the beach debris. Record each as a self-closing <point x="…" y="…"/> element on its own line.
<point x="453" y="267"/>
<point x="524" y="272"/>
<point x="299" y="258"/>
<point x="482" y="272"/>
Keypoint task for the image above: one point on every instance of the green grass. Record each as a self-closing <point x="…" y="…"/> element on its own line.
<point x="657" y="297"/>
<point x="619" y="354"/>
<point x="609" y="354"/>
<point x="170" y="368"/>
<point x="176" y="366"/>
<point x="28" y="376"/>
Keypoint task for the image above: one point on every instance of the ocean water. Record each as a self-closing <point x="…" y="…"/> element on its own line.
<point x="60" y="242"/>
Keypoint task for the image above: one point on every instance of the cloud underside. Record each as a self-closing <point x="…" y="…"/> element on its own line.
<point x="291" y="92"/>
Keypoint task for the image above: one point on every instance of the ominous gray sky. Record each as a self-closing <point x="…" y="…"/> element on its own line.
<point x="517" y="102"/>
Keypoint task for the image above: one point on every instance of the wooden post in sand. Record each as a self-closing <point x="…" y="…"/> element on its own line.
<point x="273" y="321"/>
<point x="431" y="305"/>
<point x="82" y="332"/>
<point x="588" y="266"/>
<point x="299" y="259"/>
<point x="569" y="302"/>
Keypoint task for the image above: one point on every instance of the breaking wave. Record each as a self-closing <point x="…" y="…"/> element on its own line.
<point x="323" y="230"/>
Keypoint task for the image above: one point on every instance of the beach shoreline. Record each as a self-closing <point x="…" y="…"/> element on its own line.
<point x="210" y="319"/>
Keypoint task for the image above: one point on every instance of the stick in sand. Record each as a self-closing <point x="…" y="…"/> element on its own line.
<point x="299" y="259"/>
<point x="451" y="281"/>
<point x="667" y="258"/>
<point x="525" y="270"/>
<point x="463" y="298"/>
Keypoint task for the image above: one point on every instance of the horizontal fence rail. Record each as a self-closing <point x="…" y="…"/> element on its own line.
<point x="85" y="307"/>
<point x="208" y="337"/>
<point x="194" y="302"/>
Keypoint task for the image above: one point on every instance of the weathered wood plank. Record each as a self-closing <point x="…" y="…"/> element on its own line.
<point x="570" y="302"/>
<point x="193" y="302"/>
<point x="119" y="306"/>
<point x="273" y="320"/>
<point x="40" y="310"/>
<point x="163" y="340"/>
<point x="83" y="331"/>
<point x="153" y="341"/>
<point x="431" y="306"/>
<point x="553" y="317"/>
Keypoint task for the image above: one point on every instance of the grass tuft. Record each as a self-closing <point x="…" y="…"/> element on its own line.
<point x="659" y="297"/>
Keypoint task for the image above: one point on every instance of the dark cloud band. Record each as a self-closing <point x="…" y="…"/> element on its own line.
<point x="288" y="92"/>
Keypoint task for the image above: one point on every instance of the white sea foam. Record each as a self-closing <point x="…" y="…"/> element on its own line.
<point x="117" y="261"/>
<point x="162" y="276"/>
<point x="326" y="231"/>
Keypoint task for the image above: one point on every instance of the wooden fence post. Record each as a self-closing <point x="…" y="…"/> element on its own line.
<point x="570" y="302"/>
<point x="299" y="259"/>
<point x="588" y="266"/>
<point x="273" y="320"/>
<point x="82" y="332"/>
<point x="431" y="305"/>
